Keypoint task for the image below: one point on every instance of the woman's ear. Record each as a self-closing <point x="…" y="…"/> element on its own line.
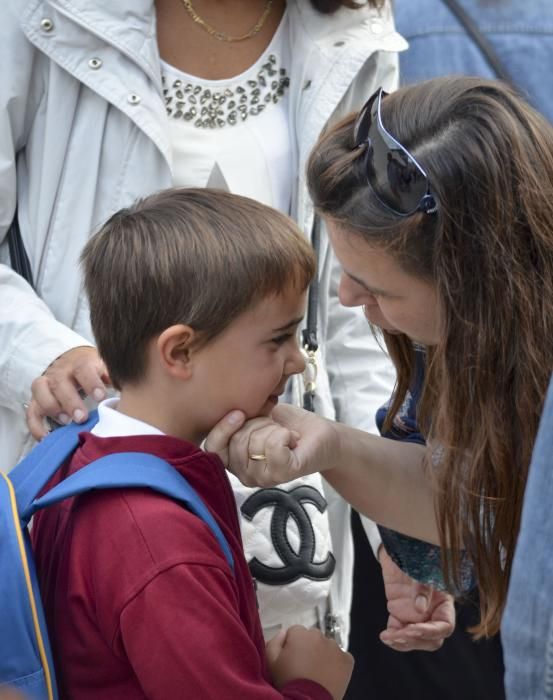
<point x="174" y="347"/>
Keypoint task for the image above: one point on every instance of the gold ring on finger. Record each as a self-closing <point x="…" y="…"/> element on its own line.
<point x="259" y="457"/>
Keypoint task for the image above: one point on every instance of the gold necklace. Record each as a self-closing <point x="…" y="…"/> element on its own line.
<point x="221" y="36"/>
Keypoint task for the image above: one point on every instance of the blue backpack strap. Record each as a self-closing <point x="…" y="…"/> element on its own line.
<point x="32" y="474"/>
<point x="26" y="662"/>
<point x="134" y="470"/>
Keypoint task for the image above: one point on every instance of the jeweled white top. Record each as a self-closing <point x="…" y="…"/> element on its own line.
<point x="234" y="133"/>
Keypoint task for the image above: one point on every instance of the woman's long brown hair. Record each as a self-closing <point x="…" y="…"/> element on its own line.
<point x="489" y="252"/>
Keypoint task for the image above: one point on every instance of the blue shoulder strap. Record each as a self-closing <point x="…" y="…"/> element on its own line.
<point x="120" y="470"/>
<point x="32" y="474"/>
<point x="135" y="470"/>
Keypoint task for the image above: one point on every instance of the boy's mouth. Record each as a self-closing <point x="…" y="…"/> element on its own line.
<point x="273" y="398"/>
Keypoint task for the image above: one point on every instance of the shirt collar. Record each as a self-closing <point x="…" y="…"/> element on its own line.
<point x="112" y="423"/>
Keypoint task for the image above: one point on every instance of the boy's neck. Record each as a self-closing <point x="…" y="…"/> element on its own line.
<point x="140" y="402"/>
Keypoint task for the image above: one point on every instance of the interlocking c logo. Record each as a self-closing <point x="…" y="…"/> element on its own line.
<point x="289" y="504"/>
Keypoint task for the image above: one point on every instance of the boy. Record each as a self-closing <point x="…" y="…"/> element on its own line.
<point x="195" y="298"/>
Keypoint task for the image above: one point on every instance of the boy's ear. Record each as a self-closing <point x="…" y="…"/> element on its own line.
<point x="174" y="347"/>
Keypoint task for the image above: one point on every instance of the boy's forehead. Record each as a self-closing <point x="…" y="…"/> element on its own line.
<point x="279" y="310"/>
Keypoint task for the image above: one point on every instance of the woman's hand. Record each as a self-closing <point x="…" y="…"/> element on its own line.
<point x="274" y="450"/>
<point x="57" y="393"/>
<point x="382" y="479"/>
<point x="421" y="618"/>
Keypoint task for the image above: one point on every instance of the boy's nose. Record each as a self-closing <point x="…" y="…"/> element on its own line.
<point x="296" y="362"/>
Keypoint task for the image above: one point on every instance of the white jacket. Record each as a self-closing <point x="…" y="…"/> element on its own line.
<point x="83" y="117"/>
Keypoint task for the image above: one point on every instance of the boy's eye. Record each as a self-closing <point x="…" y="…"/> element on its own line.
<point x="281" y="339"/>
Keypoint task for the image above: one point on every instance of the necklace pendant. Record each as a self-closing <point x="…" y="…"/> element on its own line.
<point x="221" y="36"/>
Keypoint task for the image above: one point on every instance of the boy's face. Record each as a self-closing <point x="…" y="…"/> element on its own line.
<point x="246" y="367"/>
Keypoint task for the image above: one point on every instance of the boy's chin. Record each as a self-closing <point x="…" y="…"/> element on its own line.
<point x="265" y="410"/>
<point x="268" y="406"/>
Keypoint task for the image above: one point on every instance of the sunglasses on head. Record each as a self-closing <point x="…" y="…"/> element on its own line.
<point x="397" y="180"/>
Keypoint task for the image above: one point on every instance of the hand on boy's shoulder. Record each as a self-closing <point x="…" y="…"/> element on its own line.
<point x="301" y="653"/>
<point x="57" y="393"/>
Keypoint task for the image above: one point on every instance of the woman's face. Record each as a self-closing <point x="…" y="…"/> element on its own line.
<point x="392" y="299"/>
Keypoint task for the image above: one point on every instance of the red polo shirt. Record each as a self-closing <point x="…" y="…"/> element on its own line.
<point x="139" y="598"/>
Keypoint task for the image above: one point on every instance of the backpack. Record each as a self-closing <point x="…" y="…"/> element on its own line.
<point x="25" y="654"/>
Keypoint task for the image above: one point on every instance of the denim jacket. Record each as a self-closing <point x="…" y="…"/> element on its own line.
<point x="527" y="628"/>
<point x="521" y="34"/>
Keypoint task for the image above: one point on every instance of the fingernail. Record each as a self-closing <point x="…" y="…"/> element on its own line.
<point x="63" y="418"/>
<point x="98" y="394"/>
<point x="78" y="415"/>
<point x="421" y="602"/>
<point x="234" y="417"/>
<point x="401" y="641"/>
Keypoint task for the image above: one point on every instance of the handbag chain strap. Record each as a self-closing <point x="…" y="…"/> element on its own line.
<point x="309" y="334"/>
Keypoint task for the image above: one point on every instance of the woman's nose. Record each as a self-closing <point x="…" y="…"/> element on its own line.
<point x="349" y="292"/>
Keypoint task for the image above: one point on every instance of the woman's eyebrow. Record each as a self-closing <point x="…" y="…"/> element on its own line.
<point x="288" y="326"/>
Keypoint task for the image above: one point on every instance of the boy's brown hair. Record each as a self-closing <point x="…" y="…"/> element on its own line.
<point x="198" y="257"/>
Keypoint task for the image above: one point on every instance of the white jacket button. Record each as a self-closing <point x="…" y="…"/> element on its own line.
<point x="376" y="27"/>
<point x="95" y="63"/>
<point x="46" y="24"/>
<point x="133" y="99"/>
<point x="374" y="24"/>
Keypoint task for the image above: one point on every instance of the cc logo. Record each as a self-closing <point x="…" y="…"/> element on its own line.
<point x="289" y="504"/>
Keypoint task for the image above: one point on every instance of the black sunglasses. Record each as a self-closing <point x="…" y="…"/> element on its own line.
<point x="397" y="180"/>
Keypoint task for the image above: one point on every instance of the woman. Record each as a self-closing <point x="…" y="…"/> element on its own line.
<point x="439" y="45"/>
<point x="458" y="262"/>
<point x="102" y="103"/>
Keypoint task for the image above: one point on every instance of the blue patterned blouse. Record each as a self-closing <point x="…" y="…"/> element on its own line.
<point x="420" y="560"/>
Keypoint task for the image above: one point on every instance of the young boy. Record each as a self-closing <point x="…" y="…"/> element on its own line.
<point x="195" y="298"/>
